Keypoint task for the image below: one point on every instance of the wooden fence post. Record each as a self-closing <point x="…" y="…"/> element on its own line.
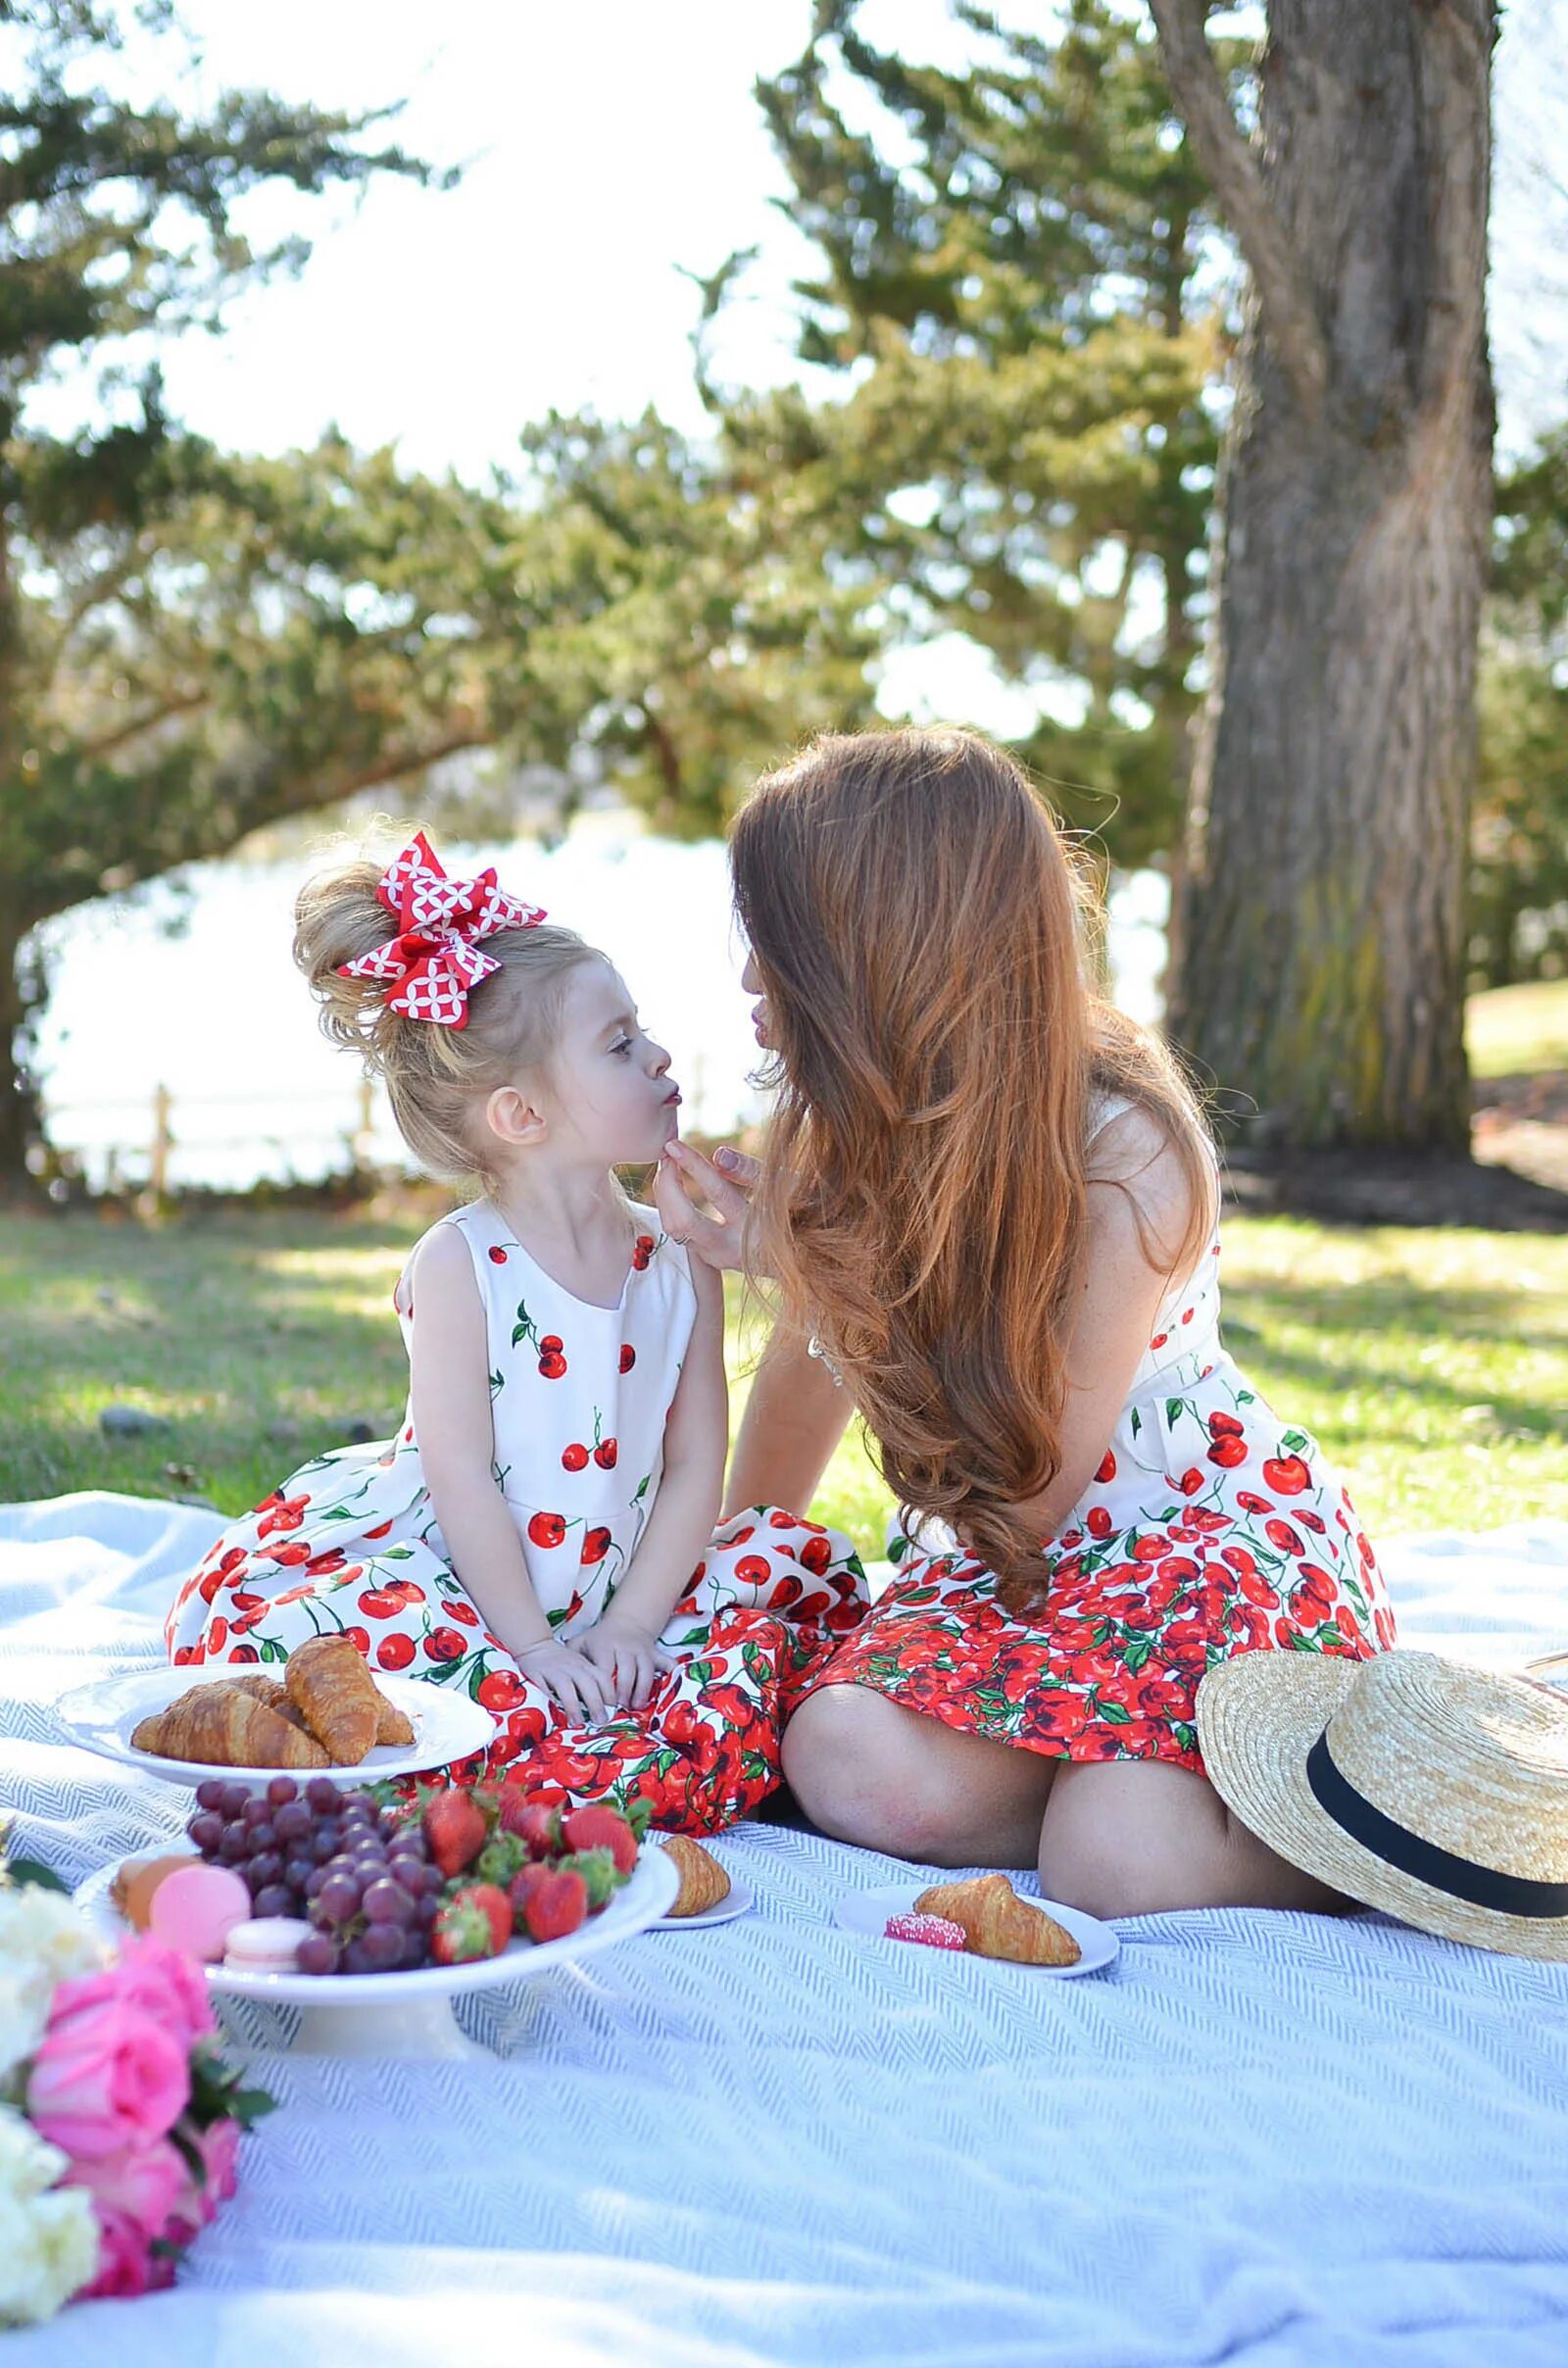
<point x="163" y="1142"/>
<point x="360" y="1140"/>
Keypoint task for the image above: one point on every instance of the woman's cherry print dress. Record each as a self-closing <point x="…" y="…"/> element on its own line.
<point x="579" y="1398"/>
<point x="1210" y="1528"/>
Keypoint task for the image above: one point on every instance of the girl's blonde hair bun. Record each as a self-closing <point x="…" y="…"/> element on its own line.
<point x="437" y="1078"/>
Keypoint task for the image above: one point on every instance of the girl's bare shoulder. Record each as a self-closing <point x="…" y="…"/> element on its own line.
<point x="440" y="1261"/>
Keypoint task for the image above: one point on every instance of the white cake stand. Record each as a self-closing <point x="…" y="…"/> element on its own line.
<point x="410" y="2014"/>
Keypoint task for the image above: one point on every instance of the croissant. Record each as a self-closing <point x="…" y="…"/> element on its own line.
<point x="391" y="1726"/>
<point x="222" y="1727"/>
<point x="331" y="1688"/>
<point x="703" y="1881"/>
<point x="996" y="1923"/>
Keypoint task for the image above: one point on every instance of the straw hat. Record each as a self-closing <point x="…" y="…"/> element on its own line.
<point x="1418" y="1785"/>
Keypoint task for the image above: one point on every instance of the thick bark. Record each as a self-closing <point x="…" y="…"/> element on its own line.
<point x="1321" y="934"/>
<point x="19" y="1106"/>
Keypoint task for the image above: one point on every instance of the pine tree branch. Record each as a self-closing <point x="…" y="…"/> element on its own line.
<point x="1290" y="324"/>
<point x="252" y="789"/>
<point x="92" y="750"/>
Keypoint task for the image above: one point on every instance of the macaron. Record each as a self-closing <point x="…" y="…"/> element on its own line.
<point x="264" y="1945"/>
<point x="133" y="1887"/>
<point x="196" y="1908"/>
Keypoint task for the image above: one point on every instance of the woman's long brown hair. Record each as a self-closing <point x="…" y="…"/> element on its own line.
<point x="915" y="919"/>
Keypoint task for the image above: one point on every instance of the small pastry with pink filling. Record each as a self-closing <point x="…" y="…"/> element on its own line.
<point x="931" y="1932"/>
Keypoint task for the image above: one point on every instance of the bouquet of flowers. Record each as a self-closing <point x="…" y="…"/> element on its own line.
<point x="120" y="2122"/>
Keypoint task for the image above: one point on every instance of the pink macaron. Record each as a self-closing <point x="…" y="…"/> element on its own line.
<point x="197" y="1908"/>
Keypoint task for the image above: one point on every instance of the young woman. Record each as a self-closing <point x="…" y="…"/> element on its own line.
<point x="989" y="1205"/>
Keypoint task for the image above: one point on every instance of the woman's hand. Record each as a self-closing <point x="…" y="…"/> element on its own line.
<point x="705" y="1203"/>
<point x="629" y="1660"/>
<point x="569" y="1677"/>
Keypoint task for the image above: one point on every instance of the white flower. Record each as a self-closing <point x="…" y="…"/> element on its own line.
<point x="28" y="2163"/>
<point x="48" y="2235"/>
<point x="43" y="1942"/>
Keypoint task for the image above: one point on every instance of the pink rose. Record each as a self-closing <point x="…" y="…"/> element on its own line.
<point x="106" y="2078"/>
<point x="197" y="2200"/>
<point x="143" y="2184"/>
<point x="155" y="1979"/>
<point x="126" y="2265"/>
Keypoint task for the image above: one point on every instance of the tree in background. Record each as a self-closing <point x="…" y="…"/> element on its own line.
<point x="1320" y="951"/>
<point x="1519" y="876"/>
<point x="1018" y="298"/>
<point x="194" y="645"/>
<point x="115" y="219"/>
<point x="1022" y="293"/>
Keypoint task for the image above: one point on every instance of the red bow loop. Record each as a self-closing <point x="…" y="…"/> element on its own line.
<point x="435" y="958"/>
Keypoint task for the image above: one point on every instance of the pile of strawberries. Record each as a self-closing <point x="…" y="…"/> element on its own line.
<point x="519" y="1867"/>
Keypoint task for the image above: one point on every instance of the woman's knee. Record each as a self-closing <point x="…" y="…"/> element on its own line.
<point x="867" y="1772"/>
<point x="1139" y="1838"/>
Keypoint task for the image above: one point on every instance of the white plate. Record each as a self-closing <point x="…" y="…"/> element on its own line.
<point x="735" y="1902"/>
<point x="391" y="2013"/>
<point x="866" y="1911"/>
<point x="447" y="1726"/>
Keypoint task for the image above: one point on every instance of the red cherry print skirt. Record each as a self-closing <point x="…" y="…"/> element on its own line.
<point x="765" y="1610"/>
<point x="1209" y="1529"/>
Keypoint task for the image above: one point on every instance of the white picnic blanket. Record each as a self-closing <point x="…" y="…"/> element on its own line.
<point x="1280" y="2140"/>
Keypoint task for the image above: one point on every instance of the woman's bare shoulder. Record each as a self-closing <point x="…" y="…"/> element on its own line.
<point x="1139" y="1175"/>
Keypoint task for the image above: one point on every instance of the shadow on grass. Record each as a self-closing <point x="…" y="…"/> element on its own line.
<point x="1391" y="1312"/>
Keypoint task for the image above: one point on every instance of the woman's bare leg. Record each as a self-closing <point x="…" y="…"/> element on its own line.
<point x="893" y="1779"/>
<point x="1135" y="1837"/>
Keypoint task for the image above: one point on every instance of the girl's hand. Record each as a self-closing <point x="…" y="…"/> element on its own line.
<point x="571" y="1678"/>
<point x="628" y="1658"/>
<point x="717" y="1231"/>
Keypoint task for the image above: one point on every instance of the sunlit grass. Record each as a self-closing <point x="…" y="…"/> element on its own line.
<point x="1432" y="1365"/>
<point x="1518" y="1029"/>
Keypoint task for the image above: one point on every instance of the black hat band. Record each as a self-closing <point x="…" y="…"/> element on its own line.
<point x="1397" y="1846"/>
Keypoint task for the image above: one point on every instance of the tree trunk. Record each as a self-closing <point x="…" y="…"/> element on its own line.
<point x="1321" y="934"/>
<point x="19" y="1103"/>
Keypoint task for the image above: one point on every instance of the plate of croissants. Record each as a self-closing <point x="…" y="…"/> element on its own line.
<point x="982" y="1916"/>
<point x="319" y="1711"/>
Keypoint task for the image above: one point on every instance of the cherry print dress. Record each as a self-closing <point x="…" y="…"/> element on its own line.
<point x="579" y="1396"/>
<point x="1210" y="1528"/>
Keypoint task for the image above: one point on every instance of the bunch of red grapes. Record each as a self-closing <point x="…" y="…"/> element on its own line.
<point x="360" y="1874"/>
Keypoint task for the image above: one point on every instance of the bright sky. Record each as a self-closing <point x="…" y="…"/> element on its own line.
<point x="610" y="146"/>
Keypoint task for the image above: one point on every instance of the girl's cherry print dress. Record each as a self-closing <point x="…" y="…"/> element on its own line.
<point x="579" y="1398"/>
<point x="1210" y="1528"/>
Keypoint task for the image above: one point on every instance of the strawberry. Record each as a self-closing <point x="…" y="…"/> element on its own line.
<point x="639" y="1815"/>
<point x="455" y="1830"/>
<point x="522" y="1888"/>
<point x="596" y="1868"/>
<point x="501" y="1860"/>
<point x="556" y="1905"/>
<point x="536" y="1824"/>
<point x="475" y="1923"/>
<point x="599" y="1826"/>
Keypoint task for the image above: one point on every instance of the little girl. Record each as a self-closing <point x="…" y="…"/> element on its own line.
<point x="539" y="1531"/>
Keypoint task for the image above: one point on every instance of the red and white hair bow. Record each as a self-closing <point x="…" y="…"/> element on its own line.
<point x="435" y="958"/>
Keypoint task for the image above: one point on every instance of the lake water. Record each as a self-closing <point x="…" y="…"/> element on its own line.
<point x="191" y="986"/>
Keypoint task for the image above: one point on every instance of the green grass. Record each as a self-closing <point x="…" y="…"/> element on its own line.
<point x="1433" y="1366"/>
<point x="1514" y="1030"/>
